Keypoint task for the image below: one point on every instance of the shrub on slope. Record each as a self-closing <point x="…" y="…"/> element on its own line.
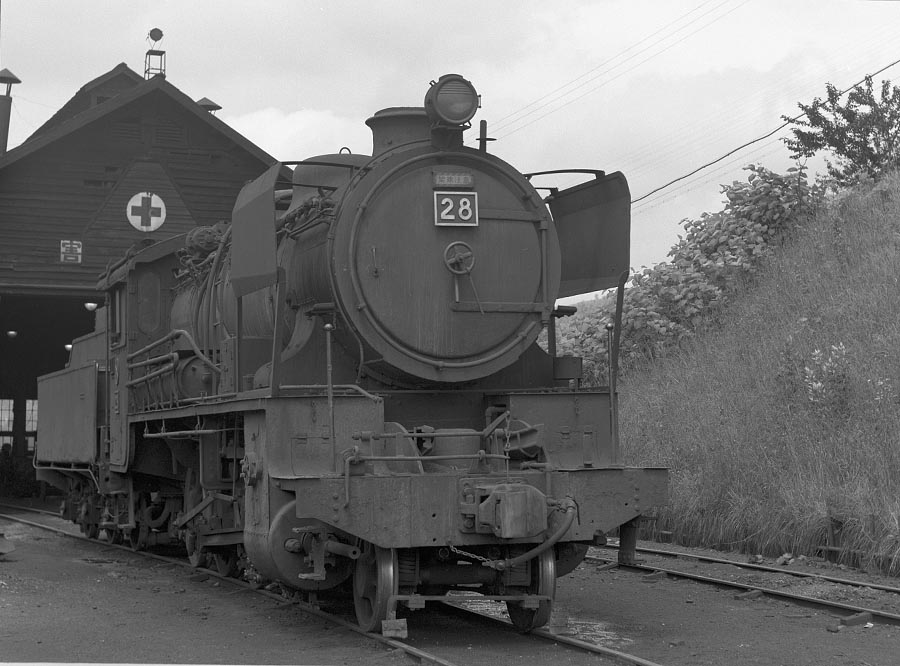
<point x="664" y="305"/>
<point x="783" y="421"/>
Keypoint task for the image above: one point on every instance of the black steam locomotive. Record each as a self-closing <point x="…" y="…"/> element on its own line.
<point x="342" y="386"/>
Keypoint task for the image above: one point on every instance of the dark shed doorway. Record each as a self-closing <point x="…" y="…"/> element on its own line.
<point x="34" y="332"/>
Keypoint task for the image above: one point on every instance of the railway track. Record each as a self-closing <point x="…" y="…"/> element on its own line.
<point x="310" y="609"/>
<point x="849" y="612"/>
<point x="445" y="635"/>
<point x="673" y="554"/>
<point x="490" y="628"/>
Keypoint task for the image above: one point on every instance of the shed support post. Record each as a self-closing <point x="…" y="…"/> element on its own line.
<point x="628" y="541"/>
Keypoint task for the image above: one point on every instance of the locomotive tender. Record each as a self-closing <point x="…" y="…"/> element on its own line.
<point x="342" y="387"/>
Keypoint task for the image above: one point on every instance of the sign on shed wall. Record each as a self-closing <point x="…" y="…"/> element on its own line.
<point x="146" y="211"/>
<point x="69" y="252"/>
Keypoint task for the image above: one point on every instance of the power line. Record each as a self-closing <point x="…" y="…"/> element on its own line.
<point x="646" y="158"/>
<point x="554" y="97"/>
<point x="701" y="132"/>
<point x="766" y="150"/>
<point x="620" y="74"/>
<point x="602" y="64"/>
<point x="757" y="140"/>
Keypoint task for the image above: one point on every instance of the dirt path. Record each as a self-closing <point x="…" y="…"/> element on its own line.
<point x="68" y="601"/>
<point x="684" y="623"/>
<point x="105" y="605"/>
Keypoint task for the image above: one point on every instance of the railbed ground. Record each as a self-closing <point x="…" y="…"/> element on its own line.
<point x="66" y="616"/>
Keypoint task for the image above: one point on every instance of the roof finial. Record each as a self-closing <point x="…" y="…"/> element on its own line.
<point x="155" y="59"/>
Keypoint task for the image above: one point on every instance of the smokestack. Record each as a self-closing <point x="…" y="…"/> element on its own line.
<point x="397" y="126"/>
<point x="9" y="79"/>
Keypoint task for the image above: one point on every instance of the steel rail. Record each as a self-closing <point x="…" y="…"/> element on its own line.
<point x="881" y="616"/>
<point x="763" y="567"/>
<point x="31" y="508"/>
<point x="621" y="657"/>
<point x="423" y="656"/>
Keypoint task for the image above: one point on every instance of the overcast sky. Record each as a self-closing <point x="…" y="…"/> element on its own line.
<point x="653" y="89"/>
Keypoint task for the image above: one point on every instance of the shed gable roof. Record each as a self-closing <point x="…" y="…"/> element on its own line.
<point x="117" y="80"/>
<point x="62" y="125"/>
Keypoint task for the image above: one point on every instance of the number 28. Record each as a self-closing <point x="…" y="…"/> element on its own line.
<point x="456" y="209"/>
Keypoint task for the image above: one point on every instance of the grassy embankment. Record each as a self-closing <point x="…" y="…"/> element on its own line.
<point x="784" y="422"/>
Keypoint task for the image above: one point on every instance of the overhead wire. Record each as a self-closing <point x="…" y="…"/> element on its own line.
<point x="700" y="179"/>
<point x="758" y="139"/>
<point x="523" y="112"/>
<point x="570" y="83"/>
<point x="695" y="135"/>
<point x="763" y="152"/>
<point x="568" y="102"/>
<point x="704" y="179"/>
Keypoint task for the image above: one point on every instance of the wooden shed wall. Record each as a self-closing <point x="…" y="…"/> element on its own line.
<point x="77" y="188"/>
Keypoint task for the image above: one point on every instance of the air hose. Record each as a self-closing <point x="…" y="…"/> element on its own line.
<point x="571" y="509"/>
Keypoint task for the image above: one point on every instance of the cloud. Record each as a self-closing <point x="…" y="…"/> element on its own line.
<point x="654" y="88"/>
<point x="296" y="135"/>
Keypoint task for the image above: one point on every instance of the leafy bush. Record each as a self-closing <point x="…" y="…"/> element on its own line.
<point x="757" y="213"/>
<point x="863" y="134"/>
<point x="667" y="303"/>
<point x="825" y="378"/>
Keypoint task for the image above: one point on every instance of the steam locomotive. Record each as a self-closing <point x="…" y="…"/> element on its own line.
<point x="343" y="387"/>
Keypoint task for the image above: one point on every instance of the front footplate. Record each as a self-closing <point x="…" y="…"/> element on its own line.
<point x="422" y="510"/>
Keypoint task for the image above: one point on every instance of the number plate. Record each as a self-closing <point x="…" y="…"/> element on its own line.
<point x="456" y="209"/>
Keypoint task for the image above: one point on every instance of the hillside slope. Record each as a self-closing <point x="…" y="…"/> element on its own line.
<point x="782" y="425"/>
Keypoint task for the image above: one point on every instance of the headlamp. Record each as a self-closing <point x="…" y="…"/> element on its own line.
<point x="451" y="101"/>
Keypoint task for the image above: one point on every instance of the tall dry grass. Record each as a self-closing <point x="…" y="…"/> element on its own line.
<point x="783" y="422"/>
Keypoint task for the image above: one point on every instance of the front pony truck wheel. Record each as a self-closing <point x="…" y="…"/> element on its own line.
<point x="374" y="583"/>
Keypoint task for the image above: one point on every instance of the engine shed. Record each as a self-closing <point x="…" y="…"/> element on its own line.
<point x="128" y="160"/>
